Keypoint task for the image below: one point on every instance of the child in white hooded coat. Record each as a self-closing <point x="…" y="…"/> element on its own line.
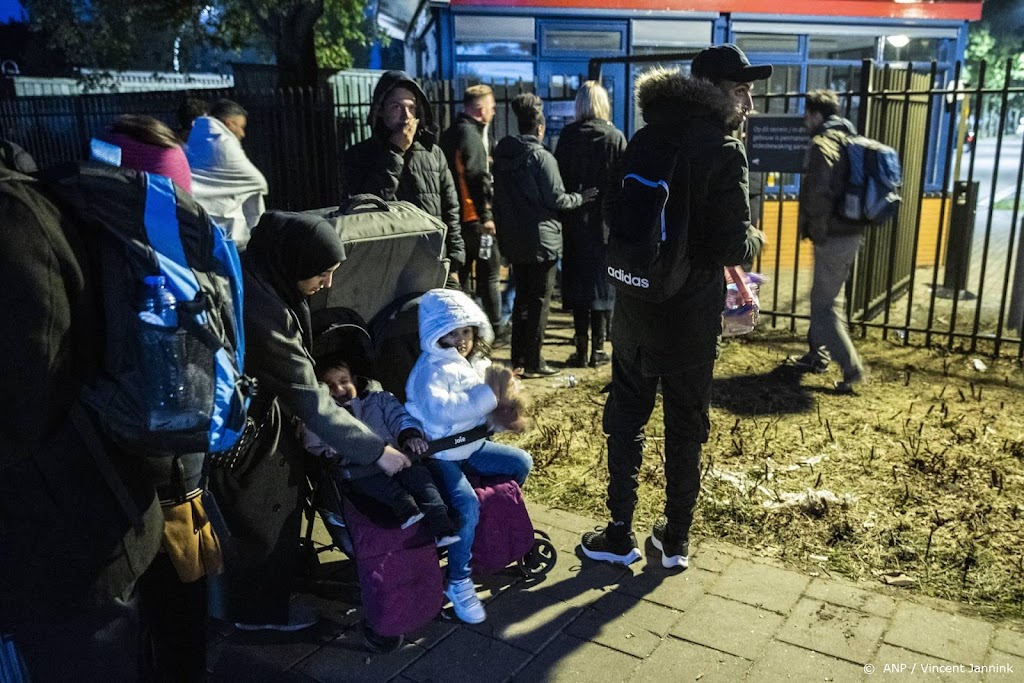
<point x="450" y="392"/>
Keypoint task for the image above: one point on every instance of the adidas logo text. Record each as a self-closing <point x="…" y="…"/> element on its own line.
<point x="628" y="278"/>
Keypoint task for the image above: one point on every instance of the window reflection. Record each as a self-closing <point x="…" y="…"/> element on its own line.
<point x="767" y="42"/>
<point x="843" y="47"/>
<point x="915" y="50"/>
<point x="495" y="72"/>
<point x="494" y="49"/>
<point x="581" y="41"/>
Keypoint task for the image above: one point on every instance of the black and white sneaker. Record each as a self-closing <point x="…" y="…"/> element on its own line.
<point x="615" y="543"/>
<point x="675" y="550"/>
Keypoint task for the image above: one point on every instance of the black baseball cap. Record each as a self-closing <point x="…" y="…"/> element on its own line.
<point x="727" y="63"/>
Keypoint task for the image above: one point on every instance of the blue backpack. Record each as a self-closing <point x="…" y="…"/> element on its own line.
<point x="143" y="225"/>
<point x="875" y="176"/>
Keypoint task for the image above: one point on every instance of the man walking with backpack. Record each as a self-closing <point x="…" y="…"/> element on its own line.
<point x="836" y="240"/>
<point x="77" y="527"/>
<point x="673" y="340"/>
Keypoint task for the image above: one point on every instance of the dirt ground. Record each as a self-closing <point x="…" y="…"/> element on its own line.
<point x="915" y="481"/>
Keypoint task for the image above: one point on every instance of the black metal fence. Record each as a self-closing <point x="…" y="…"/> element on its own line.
<point x="296" y="137"/>
<point x="948" y="270"/>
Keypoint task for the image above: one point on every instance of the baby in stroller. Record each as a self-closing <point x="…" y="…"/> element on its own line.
<point x="411" y="493"/>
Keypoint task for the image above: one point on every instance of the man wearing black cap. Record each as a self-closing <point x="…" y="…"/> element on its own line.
<point x="674" y="343"/>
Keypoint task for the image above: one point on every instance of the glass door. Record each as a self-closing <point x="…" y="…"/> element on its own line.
<point x="558" y="83"/>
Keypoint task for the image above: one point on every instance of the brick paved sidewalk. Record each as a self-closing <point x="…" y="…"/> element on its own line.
<point x="730" y="617"/>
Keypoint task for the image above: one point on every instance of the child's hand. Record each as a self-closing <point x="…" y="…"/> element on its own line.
<point x="393" y="461"/>
<point x="500" y="379"/>
<point x="416" y="445"/>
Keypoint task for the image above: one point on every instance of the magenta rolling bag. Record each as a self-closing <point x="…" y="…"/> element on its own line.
<point x="399" y="575"/>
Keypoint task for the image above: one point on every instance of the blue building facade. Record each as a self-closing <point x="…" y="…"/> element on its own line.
<point x="548" y="43"/>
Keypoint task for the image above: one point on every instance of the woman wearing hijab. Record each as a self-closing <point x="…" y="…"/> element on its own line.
<point x="260" y="492"/>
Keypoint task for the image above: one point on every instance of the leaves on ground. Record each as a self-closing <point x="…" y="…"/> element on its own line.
<point x="920" y="474"/>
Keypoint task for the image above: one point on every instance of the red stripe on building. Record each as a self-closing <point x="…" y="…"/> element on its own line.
<point x="950" y="9"/>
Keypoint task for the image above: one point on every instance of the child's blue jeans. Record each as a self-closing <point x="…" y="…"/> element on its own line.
<point x="491" y="459"/>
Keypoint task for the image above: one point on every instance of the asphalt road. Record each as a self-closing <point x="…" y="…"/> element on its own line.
<point x="1009" y="168"/>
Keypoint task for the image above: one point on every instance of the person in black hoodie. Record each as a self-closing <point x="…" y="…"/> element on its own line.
<point x="79" y="524"/>
<point x="528" y="194"/>
<point x="674" y="343"/>
<point x="589" y="153"/>
<point x="402" y="160"/>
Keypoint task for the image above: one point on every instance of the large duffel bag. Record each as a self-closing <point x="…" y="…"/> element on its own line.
<point x="392" y="249"/>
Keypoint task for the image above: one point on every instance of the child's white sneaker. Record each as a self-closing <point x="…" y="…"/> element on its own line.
<point x="445" y="541"/>
<point x="466" y="604"/>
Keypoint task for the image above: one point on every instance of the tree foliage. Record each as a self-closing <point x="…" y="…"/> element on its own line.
<point x="123" y="34"/>
<point x="995" y="51"/>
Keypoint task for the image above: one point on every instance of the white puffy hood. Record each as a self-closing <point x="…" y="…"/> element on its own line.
<point x="445" y="391"/>
<point x="444" y="310"/>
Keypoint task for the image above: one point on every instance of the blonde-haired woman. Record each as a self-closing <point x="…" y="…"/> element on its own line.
<point x="589" y="152"/>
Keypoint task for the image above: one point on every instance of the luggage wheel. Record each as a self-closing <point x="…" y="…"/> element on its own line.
<point x="541" y="557"/>
<point x="378" y="643"/>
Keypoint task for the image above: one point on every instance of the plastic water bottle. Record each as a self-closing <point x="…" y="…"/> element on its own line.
<point x="162" y="353"/>
<point x="486" y="242"/>
<point x="565" y="382"/>
<point x="158" y="305"/>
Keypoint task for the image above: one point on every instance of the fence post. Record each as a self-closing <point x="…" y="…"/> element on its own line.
<point x="962" y="214"/>
<point x="1016" y="316"/>
<point x="867" y="69"/>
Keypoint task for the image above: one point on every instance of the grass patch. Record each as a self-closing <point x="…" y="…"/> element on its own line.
<point x="922" y="472"/>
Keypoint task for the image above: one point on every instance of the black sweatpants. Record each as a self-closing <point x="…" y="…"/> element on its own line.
<point x="534" y="285"/>
<point x="687" y="399"/>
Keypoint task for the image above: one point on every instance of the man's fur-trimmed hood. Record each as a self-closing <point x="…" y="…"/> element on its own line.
<point x="659" y="89"/>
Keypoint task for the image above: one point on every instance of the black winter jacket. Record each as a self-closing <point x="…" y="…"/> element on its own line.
<point x="66" y="539"/>
<point x="589" y="154"/>
<point x="420" y="175"/>
<point x="528" y="194"/>
<point x="467" y="154"/>
<point x="824" y="181"/>
<point x="683" y="330"/>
